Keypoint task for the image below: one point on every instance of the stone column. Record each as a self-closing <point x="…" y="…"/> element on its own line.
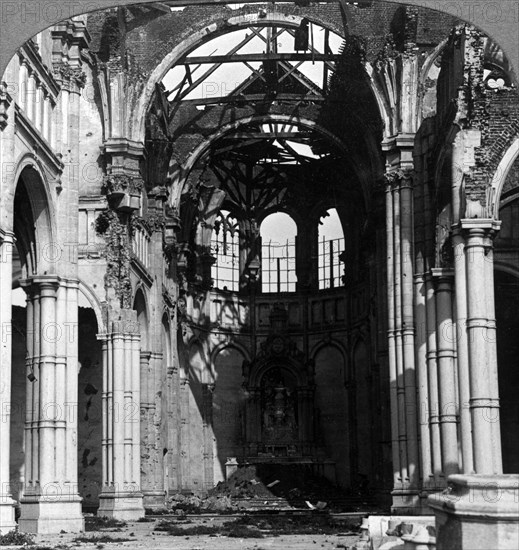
<point x="121" y="495"/>
<point x="38" y="107"/>
<point x="460" y="280"/>
<point x="153" y="482"/>
<point x="253" y="421"/>
<point x="484" y="398"/>
<point x="31" y="97"/>
<point x="401" y="335"/>
<point x="448" y="402"/>
<point x="7" y="522"/>
<point x="47" y="110"/>
<point x="185" y="471"/>
<point x="50" y="501"/>
<point x="207" y="422"/>
<point x="23" y="77"/>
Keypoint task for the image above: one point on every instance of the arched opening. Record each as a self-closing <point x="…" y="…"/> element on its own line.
<point x="228" y="409"/>
<point x="90" y="409"/>
<point x="332" y="404"/>
<point x="506" y="289"/>
<point x="278" y="253"/>
<point x="30" y="256"/>
<point x="225" y="245"/>
<point x="229" y="182"/>
<point x="331" y="245"/>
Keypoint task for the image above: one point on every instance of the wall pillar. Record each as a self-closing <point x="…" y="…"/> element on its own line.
<point x="484" y="398"/>
<point x="7" y="522"/>
<point x="154" y="491"/>
<point x="446" y="353"/>
<point x="121" y="495"/>
<point x="401" y="339"/>
<point x="50" y="501"/>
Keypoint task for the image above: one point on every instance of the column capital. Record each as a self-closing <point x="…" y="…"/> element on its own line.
<point x="7" y="236"/>
<point x="479" y="227"/>
<point x="399" y="178"/>
<point x="41" y="282"/>
<point x="145" y="356"/>
<point x="442" y="273"/>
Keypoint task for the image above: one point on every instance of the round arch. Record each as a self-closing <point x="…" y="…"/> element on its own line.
<point x="287" y="363"/>
<point x="232" y="345"/>
<point x="140" y="305"/>
<point x="500" y="175"/>
<point x="203" y="147"/>
<point x="30" y="174"/>
<point x="211" y="31"/>
<point x="324" y="344"/>
<point x="495" y="19"/>
<point x="95" y="304"/>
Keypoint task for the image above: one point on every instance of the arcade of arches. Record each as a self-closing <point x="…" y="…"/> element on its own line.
<point x="278" y="233"/>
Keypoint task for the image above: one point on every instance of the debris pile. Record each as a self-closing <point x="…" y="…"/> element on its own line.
<point x="269" y="486"/>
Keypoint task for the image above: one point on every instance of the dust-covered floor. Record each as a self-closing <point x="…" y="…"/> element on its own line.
<point x="237" y="532"/>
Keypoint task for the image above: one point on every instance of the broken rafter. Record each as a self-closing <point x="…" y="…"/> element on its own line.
<point x="209" y="72"/>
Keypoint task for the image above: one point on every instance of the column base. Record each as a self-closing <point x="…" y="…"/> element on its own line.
<point x="478" y="512"/>
<point x="154" y="499"/>
<point x="7" y="521"/>
<point x="406" y="502"/>
<point x="127" y="506"/>
<point x="48" y="517"/>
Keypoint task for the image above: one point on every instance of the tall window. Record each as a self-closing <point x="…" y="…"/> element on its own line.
<point x="278" y="253"/>
<point x="331" y="244"/>
<point x="225" y="245"/>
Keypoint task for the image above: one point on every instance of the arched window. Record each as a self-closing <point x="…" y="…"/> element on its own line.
<point x="278" y="253"/>
<point x="225" y="245"/>
<point x="331" y="244"/>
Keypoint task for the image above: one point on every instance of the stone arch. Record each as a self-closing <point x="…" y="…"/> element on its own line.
<point x="95" y="304"/>
<point x="18" y="30"/>
<point x="336" y="344"/>
<point x="424" y="75"/>
<point x="223" y="345"/>
<point x="40" y="247"/>
<point x="259" y="370"/>
<point x="205" y="34"/>
<point x="498" y="181"/>
<point x="197" y="153"/>
<point x="140" y="305"/>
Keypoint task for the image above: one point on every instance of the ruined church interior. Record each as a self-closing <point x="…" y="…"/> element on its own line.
<point x="271" y="235"/>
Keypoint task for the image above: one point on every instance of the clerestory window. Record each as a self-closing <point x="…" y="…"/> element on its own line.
<point x="225" y="246"/>
<point x="278" y="253"/>
<point x="331" y="245"/>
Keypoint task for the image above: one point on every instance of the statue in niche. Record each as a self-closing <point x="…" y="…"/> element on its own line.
<point x="278" y="407"/>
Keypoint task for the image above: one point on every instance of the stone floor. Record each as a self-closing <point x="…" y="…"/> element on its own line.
<point x="142" y="535"/>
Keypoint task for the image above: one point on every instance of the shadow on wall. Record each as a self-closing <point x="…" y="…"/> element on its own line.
<point x="90" y="386"/>
<point x="18" y="398"/>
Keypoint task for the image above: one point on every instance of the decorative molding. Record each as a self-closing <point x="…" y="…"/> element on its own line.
<point x="38" y="143"/>
<point x="68" y="75"/>
<point x="5" y="102"/>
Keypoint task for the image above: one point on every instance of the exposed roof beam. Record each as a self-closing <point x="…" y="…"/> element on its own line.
<point x="256" y="98"/>
<point x="255" y="57"/>
<point x="267" y="135"/>
<point x="161" y="6"/>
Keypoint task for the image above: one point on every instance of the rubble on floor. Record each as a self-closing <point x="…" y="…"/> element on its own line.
<point x="271" y="486"/>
